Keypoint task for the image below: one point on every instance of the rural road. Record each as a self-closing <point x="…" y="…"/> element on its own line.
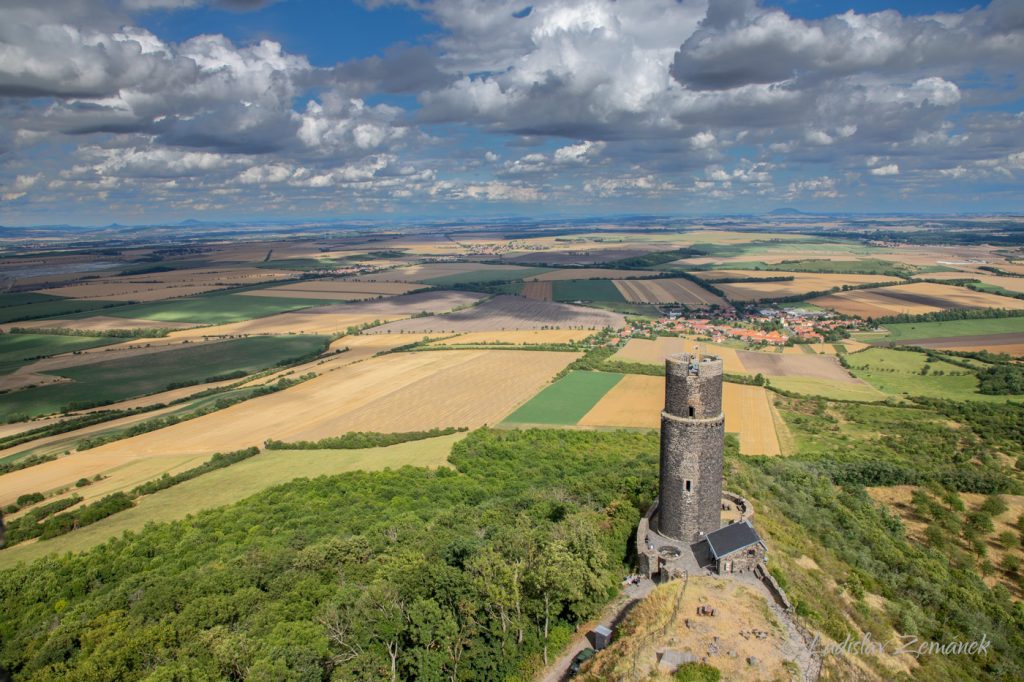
<point x="610" y="617"/>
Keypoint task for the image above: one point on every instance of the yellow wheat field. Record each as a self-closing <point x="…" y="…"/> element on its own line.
<point x="637" y="401"/>
<point x="397" y="392"/>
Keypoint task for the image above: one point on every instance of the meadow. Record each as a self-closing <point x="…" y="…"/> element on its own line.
<point x="910" y="373"/>
<point x="110" y="381"/>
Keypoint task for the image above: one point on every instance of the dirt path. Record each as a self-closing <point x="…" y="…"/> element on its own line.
<point x="610" y="617"/>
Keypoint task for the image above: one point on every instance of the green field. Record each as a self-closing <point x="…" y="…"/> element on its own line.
<point x="898" y="373"/>
<point x="212" y="309"/>
<point x="587" y="290"/>
<point x="910" y="331"/>
<point x="11" y="300"/>
<point x="17" y="350"/>
<point x="115" y="380"/>
<point x="484" y="276"/>
<point x="51" y="306"/>
<point x="567" y="400"/>
<point x="225" y="486"/>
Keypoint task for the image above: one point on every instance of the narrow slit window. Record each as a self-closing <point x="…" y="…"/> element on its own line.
<point x="687" y="485"/>
<point x="693" y="411"/>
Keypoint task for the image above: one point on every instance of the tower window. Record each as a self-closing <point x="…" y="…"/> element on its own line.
<point x="693" y="411"/>
<point x="688" y="485"/>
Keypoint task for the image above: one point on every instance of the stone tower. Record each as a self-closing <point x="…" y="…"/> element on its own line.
<point x="692" y="439"/>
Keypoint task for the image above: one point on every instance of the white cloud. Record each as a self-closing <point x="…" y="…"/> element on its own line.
<point x="888" y="169"/>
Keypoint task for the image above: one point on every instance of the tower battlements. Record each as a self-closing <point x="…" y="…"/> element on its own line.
<point x="692" y="441"/>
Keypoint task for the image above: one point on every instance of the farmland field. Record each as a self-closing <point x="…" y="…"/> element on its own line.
<point x="524" y="337"/>
<point x="446" y="274"/>
<point x="155" y="286"/>
<point x="335" y="290"/>
<point x="802" y="283"/>
<point x="912" y="299"/>
<point x="128" y="377"/>
<point x="590" y="273"/>
<point x="507" y="312"/>
<point x="538" y="291"/>
<point x="911" y="331"/>
<point x="586" y="290"/>
<point x="667" y="291"/>
<point x="786" y="365"/>
<point x="233" y="483"/>
<point x="637" y="401"/>
<point x="337" y="317"/>
<point x="567" y="400"/>
<point x="656" y="351"/>
<point x="17" y="350"/>
<point x="1012" y="284"/>
<point x="392" y="393"/>
<point x="50" y="308"/>
<point x="100" y="323"/>
<point x="215" y="309"/>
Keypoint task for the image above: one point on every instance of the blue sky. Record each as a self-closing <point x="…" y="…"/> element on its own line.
<point x="142" y="111"/>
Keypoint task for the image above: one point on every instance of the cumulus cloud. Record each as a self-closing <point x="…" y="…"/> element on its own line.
<point x="888" y="169"/>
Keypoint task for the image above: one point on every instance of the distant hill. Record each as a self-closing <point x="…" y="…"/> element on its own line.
<point x="786" y="211"/>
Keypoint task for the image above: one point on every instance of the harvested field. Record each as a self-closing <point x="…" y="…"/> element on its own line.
<point x="508" y="312"/>
<point x="538" y="291"/>
<point x="525" y="337"/>
<point x="591" y="273"/>
<point x="637" y="401"/>
<point x="912" y="299"/>
<point x="1011" y="344"/>
<point x="336" y="290"/>
<point x="337" y="318"/>
<point x="802" y="283"/>
<point x="398" y="392"/>
<point x="433" y="271"/>
<point x="655" y="352"/>
<point x="667" y="291"/>
<point x="99" y="323"/>
<point x="782" y="365"/>
<point x="162" y="285"/>
<point x="238" y="481"/>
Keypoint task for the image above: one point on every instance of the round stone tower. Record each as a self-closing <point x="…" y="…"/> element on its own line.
<point x="692" y="439"/>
